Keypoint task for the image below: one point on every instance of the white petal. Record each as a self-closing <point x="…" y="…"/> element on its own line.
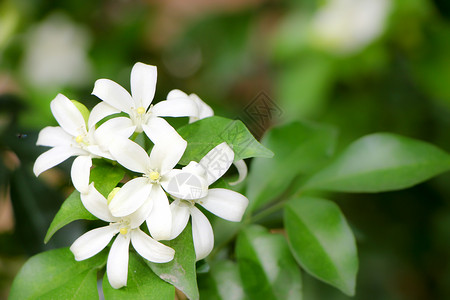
<point x="113" y="94"/>
<point x="217" y="161"/>
<point x="130" y="197"/>
<point x="117" y="265"/>
<point x="141" y="214"/>
<point x="185" y="184"/>
<point x="177" y="94"/>
<point x="180" y="217"/>
<point x="67" y="115"/>
<point x="97" y="205"/>
<point x="92" y="242"/>
<point x="241" y="166"/>
<point x="53" y="157"/>
<point x="80" y="173"/>
<point x="143" y="84"/>
<point x="150" y="249"/>
<point x="99" y="112"/>
<point x="54" y="136"/>
<point x="160" y="220"/>
<point x="227" y="204"/>
<point x="117" y="127"/>
<point x="202" y="234"/>
<point x="169" y="145"/>
<point x="175" y="108"/>
<point x="130" y="155"/>
<point x="204" y="110"/>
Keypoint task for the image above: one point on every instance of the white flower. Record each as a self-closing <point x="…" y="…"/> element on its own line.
<point x="72" y="138"/>
<point x="142" y="115"/>
<point x="127" y="228"/>
<point x="224" y="203"/>
<point x="156" y="170"/>
<point x="347" y="26"/>
<point x="205" y="111"/>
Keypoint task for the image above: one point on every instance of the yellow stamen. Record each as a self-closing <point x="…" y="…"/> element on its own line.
<point x="112" y="194"/>
<point x="79" y="139"/>
<point x="140" y="110"/>
<point x="123" y="231"/>
<point x="154" y="175"/>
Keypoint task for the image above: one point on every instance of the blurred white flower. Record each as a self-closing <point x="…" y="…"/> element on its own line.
<point x="142" y="115"/>
<point x="347" y="26"/>
<point x="224" y="203"/>
<point x="127" y="228"/>
<point x="56" y="54"/>
<point x="72" y="138"/>
<point x="205" y="111"/>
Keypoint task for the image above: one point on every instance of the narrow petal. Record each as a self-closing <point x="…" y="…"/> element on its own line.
<point x="143" y="84"/>
<point x="204" y="110"/>
<point x="53" y="157"/>
<point x="217" y="161"/>
<point x="169" y="145"/>
<point x="99" y="112"/>
<point x="202" y="234"/>
<point x="227" y="204"/>
<point x="117" y="127"/>
<point x="150" y="249"/>
<point x="117" y="265"/>
<point x="177" y="94"/>
<point x="186" y="184"/>
<point x="80" y="173"/>
<point x="113" y="94"/>
<point x="242" y="169"/>
<point x="92" y="242"/>
<point x="175" y="108"/>
<point x="141" y="214"/>
<point x="160" y="220"/>
<point x="97" y="205"/>
<point x="180" y="217"/>
<point x="130" y="155"/>
<point x="130" y="197"/>
<point x="54" y="136"/>
<point x="67" y="115"/>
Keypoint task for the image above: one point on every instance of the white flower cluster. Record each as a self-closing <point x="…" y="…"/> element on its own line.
<point x="160" y="195"/>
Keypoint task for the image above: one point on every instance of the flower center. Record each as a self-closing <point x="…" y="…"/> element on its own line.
<point x="112" y="194"/>
<point x="123" y="230"/>
<point x="140" y="110"/>
<point x="154" y="176"/>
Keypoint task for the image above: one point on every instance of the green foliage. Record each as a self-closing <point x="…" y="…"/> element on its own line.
<point x="142" y="284"/>
<point x="267" y="268"/>
<point x="181" y="270"/>
<point x="55" y="274"/>
<point x="308" y="145"/>
<point x="205" y="134"/>
<point x="322" y="242"/>
<point x="381" y="162"/>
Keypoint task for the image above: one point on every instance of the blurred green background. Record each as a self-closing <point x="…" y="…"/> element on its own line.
<point x="360" y="65"/>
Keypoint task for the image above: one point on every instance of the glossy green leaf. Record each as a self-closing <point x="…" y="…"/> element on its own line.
<point x="381" y="162"/>
<point x="181" y="270"/>
<point x="105" y="178"/>
<point x="299" y="148"/>
<point x="57" y="275"/>
<point x="322" y="242"/>
<point x="207" y="133"/>
<point x="267" y="268"/>
<point x="142" y="284"/>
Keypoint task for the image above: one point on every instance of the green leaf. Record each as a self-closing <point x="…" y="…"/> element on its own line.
<point x="223" y="282"/>
<point x="322" y="242"/>
<point x="72" y="209"/>
<point x="56" y="274"/>
<point x="181" y="270"/>
<point x="381" y="162"/>
<point x="207" y="133"/>
<point x="267" y="268"/>
<point x="299" y="148"/>
<point x="142" y="284"/>
<point x="105" y="178"/>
